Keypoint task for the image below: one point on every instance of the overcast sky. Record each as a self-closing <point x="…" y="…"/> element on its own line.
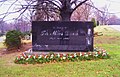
<point x="113" y="5"/>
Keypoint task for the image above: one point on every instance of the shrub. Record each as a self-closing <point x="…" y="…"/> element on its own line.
<point x="94" y="22"/>
<point x="13" y="39"/>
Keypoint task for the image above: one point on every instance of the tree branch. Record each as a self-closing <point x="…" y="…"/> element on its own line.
<point x="79" y="5"/>
<point x="9" y="8"/>
<point x="52" y="2"/>
<point x="97" y="8"/>
<point x="22" y="12"/>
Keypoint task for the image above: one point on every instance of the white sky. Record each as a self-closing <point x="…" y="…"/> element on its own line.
<point x="114" y="7"/>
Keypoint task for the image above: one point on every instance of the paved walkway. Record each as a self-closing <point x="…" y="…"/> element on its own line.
<point x="2" y="39"/>
<point x="117" y="27"/>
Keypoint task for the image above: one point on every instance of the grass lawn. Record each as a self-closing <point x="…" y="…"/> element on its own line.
<point x="99" y="68"/>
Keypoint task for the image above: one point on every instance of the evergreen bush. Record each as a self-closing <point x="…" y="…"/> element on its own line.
<point x="13" y="39"/>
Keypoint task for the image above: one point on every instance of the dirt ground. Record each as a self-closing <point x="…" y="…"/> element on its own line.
<point x="25" y="47"/>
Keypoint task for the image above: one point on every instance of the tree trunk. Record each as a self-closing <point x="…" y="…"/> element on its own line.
<point x="65" y="15"/>
<point x="65" y="11"/>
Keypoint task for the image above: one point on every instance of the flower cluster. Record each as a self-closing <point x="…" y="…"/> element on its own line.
<point x="52" y="57"/>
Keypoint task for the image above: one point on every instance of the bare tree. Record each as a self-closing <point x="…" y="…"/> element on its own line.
<point x="64" y="8"/>
<point x="113" y="20"/>
<point x="23" y="7"/>
<point x="2" y="23"/>
<point x="47" y="9"/>
<point x="103" y="17"/>
<point x="3" y="26"/>
<point x="22" y="25"/>
<point x="45" y="12"/>
<point x="82" y="13"/>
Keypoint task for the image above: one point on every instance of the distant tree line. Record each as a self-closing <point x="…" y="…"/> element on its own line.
<point x="20" y="25"/>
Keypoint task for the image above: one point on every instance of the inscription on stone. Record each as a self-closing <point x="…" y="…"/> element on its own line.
<point x="62" y="36"/>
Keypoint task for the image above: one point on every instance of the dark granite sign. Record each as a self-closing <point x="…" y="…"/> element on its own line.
<point x="62" y="36"/>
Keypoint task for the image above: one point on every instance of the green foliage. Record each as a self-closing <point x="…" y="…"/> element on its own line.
<point x="13" y="39"/>
<point x="94" y="21"/>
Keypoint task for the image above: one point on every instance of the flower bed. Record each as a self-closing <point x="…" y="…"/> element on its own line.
<point x="52" y="57"/>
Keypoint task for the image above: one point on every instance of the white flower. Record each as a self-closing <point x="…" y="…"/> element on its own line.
<point x="64" y="57"/>
<point x="52" y="56"/>
<point x="34" y="57"/>
<point x="80" y="54"/>
<point x="40" y="56"/>
<point x="22" y="57"/>
<point x="45" y="56"/>
<point x="75" y="55"/>
<point x="90" y="53"/>
<point x="64" y="54"/>
<point x="104" y="54"/>
<point x="70" y="56"/>
<point x="96" y="52"/>
<point x="95" y="48"/>
<point x="58" y="55"/>
<point x="86" y="55"/>
<point x="96" y="55"/>
<point x="29" y="56"/>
